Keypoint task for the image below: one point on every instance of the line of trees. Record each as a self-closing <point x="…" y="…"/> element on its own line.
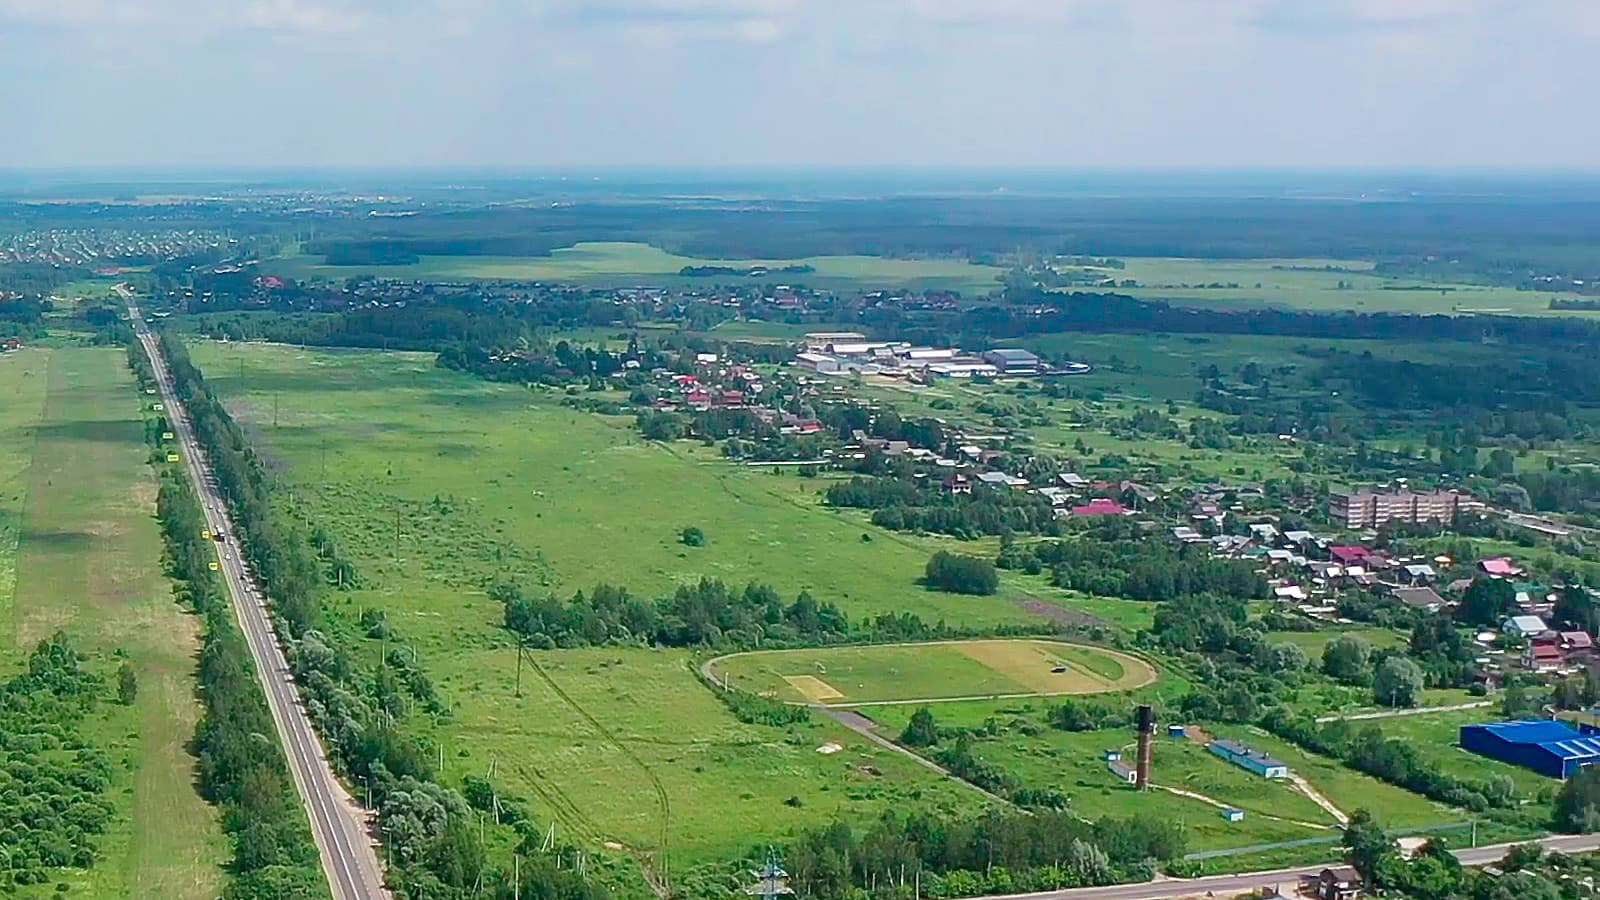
<point x="432" y="847"/>
<point x="707" y="613"/>
<point x="999" y="852"/>
<point x="902" y="504"/>
<point x="1390" y="759"/>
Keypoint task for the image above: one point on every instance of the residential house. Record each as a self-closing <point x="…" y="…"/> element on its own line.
<point x="1349" y="554"/>
<point x="1100" y="507"/>
<point x="956" y="483"/>
<point x="1072" y="480"/>
<point x="1002" y="479"/>
<point x="1423" y="598"/>
<point x="10" y="344"/>
<point x="1186" y="535"/>
<point x="1500" y="567"/>
<point x="1123" y="771"/>
<point x="1343" y="883"/>
<point x="1543" y="654"/>
<point x="1525" y="627"/>
<point x="1418" y="573"/>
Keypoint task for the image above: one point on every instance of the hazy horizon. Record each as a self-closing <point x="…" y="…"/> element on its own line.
<point x="1161" y="86"/>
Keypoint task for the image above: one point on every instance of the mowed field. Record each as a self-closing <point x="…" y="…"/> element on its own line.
<point x="1319" y="285"/>
<point x="80" y="551"/>
<point x="490" y="483"/>
<point x="912" y="673"/>
<point x="625" y="264"/>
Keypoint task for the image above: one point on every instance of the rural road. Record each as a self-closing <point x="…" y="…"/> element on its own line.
<point x="1409" y="711"/>
<point x="1233" y="885"/>
<point x="348" y="856"/>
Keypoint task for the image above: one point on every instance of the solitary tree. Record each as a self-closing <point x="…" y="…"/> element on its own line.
<point x="1577" y="806"/>
<point x="127" y="685"/>
<point x="1398" y="682"/>
<point x="921" y="731"/>
<point x="1346" y="658"/>
<point x="1367" y="845"/>
<point x="1487" y="601"/>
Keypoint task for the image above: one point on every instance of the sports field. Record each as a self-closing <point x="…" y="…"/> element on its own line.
<point x="80" y="551"/>
<point x="919" y="673"/>
<point x="624" y="264"/>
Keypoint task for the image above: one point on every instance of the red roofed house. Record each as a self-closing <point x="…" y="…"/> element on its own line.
<point x="1500" y="567"/>
<point x="1100" y="507"/>
<point x="1349" y="554"/>
<point x="810" y="426"/>
<point x="957" y="483"/>
<point x="1543" y="655"/>
<point x="271" y="282"/>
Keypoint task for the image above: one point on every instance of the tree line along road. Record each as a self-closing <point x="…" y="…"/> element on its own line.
<point x="349" y="858"/>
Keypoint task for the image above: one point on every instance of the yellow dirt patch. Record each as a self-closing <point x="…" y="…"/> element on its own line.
<point x="1030" y="663"/>
<point x="813" y="688"/>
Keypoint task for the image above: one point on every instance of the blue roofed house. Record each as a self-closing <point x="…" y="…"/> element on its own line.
<point x="1555" y="749"/>
<point x="1254" y="760"/>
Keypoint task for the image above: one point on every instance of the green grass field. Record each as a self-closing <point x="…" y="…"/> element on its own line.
<point x="80" y="551"/>
<point x="558" y="500"/>
<point x="1434" y="736"/>
<point x="1315" y="284"/>
<point x="625" y="745"/>
<point x="624" y="264"/>
<point x="908" y="673"/>
<point x="1072" y="763"/>
<point x="537" y="493"/>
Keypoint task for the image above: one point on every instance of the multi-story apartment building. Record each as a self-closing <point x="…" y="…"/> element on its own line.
<point x="1370" y="509"/>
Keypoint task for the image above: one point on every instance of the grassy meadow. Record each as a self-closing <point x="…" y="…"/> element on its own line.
<point x="490" y="483"/>
<point x="80" y="551"/>
<point x="625" y="264"/>
<point x="1317" y="285"/>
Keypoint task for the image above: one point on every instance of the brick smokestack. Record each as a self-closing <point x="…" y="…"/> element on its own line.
<point x="1147" y="727"/>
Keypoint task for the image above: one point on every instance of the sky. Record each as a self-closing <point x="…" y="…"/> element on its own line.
<point x="579" y="84"/>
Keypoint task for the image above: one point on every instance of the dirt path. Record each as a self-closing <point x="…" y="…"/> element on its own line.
<point x="1317" y="797"/>
<point x="1412" y="711"/>
<point x="1220" y="805"/>
<point x="869" y="729"/>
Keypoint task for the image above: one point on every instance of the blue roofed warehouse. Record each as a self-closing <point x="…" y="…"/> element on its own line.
<point x="1555" y="749"/>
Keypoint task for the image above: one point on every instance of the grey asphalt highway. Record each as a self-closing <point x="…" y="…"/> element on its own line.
<point x="348" y="855"/>
<point x="1284" y="880"/>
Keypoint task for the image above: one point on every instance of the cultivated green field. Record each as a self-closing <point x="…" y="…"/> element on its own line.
<point x="80" y="551"/>
<point x="907" y="673"/>
<point x="1321" y="285"/>
<point x="625" y="264"/>
<point x="492" y="482"/>
<point x="624" y="746"/>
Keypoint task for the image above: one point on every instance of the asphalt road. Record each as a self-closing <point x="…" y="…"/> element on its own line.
<point x="1285" y="880"/>
<point x="348" y="856"/>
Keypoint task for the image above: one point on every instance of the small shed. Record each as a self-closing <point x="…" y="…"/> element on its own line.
<point x="1112" y="755"/>
<point x="1123" y="771"/>
<point x="1233" y="814"/>
<point x="1177" y="731"/>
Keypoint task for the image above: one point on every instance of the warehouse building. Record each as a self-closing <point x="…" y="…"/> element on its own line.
<point x="1011" y="361"/>
<point x="1554" y="749"/>
<point x="1247" y="758"/>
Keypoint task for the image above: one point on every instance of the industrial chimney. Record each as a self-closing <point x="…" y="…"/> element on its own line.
<point x="1147" y="725"/>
